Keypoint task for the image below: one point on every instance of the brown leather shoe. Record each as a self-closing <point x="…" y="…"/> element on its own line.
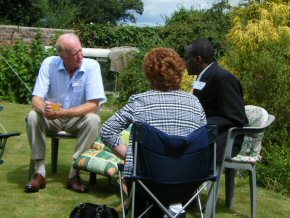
<point x="76" y="184"/>
<point x="37" y="183"/>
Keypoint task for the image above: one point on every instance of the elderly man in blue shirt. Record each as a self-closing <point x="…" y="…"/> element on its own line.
<point x="76" y="84"/>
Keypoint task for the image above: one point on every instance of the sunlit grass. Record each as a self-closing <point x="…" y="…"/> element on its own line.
<point x="57" y="201"/>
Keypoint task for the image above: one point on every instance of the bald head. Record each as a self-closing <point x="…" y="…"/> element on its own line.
<point x="69" y="49"/>
<point x="67" y="42"/>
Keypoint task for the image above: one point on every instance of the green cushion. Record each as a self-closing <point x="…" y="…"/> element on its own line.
<point x="99" y="159"/>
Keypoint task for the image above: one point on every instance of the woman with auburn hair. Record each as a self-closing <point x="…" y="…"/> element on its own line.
<point x="164" y="107"/>
<point x="164" y="69"/>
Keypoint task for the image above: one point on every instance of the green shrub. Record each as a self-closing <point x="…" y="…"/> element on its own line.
<point x="258" y="52"/>
<point x="274" y="171"/>
<point x="132" y="80"/>
<point x="19" y="67"/>
<point x="108" y="36"/>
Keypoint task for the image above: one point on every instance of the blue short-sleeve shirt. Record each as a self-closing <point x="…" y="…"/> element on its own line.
<point x="54" y="81"/>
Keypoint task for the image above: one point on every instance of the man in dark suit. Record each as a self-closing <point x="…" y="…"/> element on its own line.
<point x="219" y="92"/>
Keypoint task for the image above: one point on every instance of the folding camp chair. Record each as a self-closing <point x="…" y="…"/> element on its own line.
<point x="165" y="164"/>
<point x="3" y="139"/>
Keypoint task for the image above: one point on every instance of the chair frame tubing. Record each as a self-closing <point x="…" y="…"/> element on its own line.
<point x="3" y="141"/>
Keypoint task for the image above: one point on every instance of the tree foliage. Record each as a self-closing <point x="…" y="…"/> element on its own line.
<point x="22" y="13"/>
<point x="57" y="14"/>
<point x="67" y="13"/>
<point x="259" y="53"/>
<point x="185" y="25"/>
<point x="109" y="11"/>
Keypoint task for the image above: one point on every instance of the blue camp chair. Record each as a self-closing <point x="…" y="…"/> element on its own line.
<point x="171" y="169"/>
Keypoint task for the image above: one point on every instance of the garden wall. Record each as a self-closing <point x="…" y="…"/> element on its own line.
<point x="9" y="34"/>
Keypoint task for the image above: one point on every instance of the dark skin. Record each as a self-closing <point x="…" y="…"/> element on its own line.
<point x="194" y="65"/>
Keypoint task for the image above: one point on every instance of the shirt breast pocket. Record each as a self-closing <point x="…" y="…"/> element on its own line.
<point x="78" y="91"/>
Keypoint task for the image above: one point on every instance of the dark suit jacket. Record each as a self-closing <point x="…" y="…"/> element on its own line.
<point x="222" y="100"/>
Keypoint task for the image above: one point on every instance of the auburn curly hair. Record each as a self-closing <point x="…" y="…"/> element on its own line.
<point x="164" y="69"/>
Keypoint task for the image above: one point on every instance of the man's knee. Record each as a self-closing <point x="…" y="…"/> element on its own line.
<point x="32" y="118"/>
<point x="92" y="120"/>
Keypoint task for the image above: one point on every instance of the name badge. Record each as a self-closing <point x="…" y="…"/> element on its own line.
<point x="76" y="83"/>
<point x="198" y="85"/>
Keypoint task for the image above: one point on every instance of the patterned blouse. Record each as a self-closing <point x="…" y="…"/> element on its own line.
<point x="174" y="112"/>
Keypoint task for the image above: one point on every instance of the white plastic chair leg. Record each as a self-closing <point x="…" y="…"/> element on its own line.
<point x="230" y="186"/>
<point x="253" y="189"/>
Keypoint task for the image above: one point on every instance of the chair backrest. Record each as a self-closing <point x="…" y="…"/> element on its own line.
<point x="252" y="145"/>
<point x="171" y="159"/>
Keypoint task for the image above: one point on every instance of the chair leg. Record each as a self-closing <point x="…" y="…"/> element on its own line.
<point x="230" y="186"/>
<point x="211" y="201"/>
<point x="54" y="154"/>
<point x="253" y="189"/>
<point x="199" y="205"/>
<point x="122" y="195"/>
<point x="93" y="178"/>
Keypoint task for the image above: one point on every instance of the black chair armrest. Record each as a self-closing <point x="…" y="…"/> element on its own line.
<point x="7" y="135"/>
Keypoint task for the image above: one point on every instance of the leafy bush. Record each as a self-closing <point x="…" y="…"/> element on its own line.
<point x="17" y="80"/>
<point x="274" y="171"/>
<point x="259" y="54"/>
<point x="132" y="80"/>
<point x="108" y="36"/>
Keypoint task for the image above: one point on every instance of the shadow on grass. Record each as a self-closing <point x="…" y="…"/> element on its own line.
<point x="221" y="208"/>
<point x="103" y="188"/>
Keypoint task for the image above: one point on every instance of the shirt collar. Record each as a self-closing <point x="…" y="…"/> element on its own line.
<point x="61" y="67"/>
<point x="202" y="72"/>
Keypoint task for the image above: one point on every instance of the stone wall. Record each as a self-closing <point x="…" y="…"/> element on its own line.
<point x="9" y="34"/>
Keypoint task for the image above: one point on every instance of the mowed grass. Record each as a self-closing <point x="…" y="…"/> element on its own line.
<point x="57" y="201"/>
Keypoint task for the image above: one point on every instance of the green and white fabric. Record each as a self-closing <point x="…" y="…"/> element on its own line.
<point x="99" y="159"/>
<point x="252" y="145"/>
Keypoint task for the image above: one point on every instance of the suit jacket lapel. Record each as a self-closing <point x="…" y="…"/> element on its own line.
<point x="209" y="71"/>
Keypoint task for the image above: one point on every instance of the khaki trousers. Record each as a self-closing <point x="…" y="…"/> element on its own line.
<point x="86" y="129"/>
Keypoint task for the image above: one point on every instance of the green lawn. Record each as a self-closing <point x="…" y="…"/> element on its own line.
<point x="57" y="201"/>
